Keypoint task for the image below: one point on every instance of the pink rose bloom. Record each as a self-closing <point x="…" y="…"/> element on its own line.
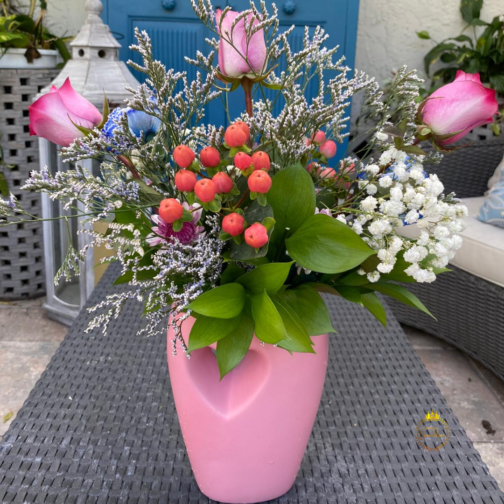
<point x="460" y="106"/>
<point x="232" y="61"/>
<point x="51" y="115"/>
<point x="164" y="231"/>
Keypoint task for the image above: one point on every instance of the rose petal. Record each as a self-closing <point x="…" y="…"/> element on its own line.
<point x="78" y="105"/>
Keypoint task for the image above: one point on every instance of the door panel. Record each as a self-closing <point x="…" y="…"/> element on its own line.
<point x="177" y="33"/>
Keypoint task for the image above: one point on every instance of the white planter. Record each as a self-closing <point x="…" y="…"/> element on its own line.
<point x="15" y="58"/>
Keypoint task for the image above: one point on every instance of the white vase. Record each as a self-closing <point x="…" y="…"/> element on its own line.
<point x="15" y="58"/>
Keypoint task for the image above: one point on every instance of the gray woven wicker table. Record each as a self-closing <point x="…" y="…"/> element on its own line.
<point x="100" y="425"/>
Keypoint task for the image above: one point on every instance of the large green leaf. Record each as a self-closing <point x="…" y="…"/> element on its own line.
<point x="231" y="273"/>
<point x="470" y="10"/>
<point x="233" y="348"/>
<point x="497" y="82"/>
<point x="298" y="339"/>
<point x="208" y="330"/>
<point x="244" y="252"/>
<point x="269" y="326"/>
<point x="312" y="310"/>
<point x="326" y="245"/>
<point x="269" y="277"/>
<point x="223" y="302"/>
<point x="373" y="304"/>
<point x="402" y="295"/>
<point x="292" y="198"/>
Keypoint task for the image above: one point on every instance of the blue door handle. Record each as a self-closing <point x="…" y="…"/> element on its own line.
<point x="289" y="7"/>
<point x="169" y="5"/>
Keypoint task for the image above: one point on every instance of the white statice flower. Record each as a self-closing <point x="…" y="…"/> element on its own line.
<point x="369" y="204"/>
<point x="381" y="136"/>
<point x="373" y="277"/>
<point x="440" y="232"/>
<point x="385" y="181"/>
<point x="411" y="217"/>
<point x="396" y="193"/>
<point x="392" y="208"/>
<point x="357" y="227"/>
<point x="373" y="169"/>
<point x="371" y="189"/>
<point x="401" y="172"/>
<point x="385" y="267"/>
<point x="380" y="227"/>
<point x="416" y="254"/>
<point x="341" y="218"/>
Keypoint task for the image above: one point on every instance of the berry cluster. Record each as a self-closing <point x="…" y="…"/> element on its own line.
<point x="210" y="180"/>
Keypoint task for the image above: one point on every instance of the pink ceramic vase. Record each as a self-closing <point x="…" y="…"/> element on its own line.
<point x="246" y="435"/>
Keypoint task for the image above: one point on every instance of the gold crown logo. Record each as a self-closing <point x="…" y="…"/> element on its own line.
<point x="432" y="415"/>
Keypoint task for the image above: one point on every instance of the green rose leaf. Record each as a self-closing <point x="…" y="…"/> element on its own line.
<point x="269" y="277"/>
<point x="298" y="339"/>
<point x="312" y="310"/>
<point x="208" y="330"/>
<point x="401" y="294"/>
<point x="232" y="348"/>
<point x="269" y="326"/>
<point x="326" y="245"/>
<point x="373" y="304"/>
<point x="292" y="198"/>
<point x="223" y="302"/>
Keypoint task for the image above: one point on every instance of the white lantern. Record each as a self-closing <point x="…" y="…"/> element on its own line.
<point x="94" y="70"/>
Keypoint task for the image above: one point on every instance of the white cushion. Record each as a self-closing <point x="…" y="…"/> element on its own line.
<point x="482" y="252"/>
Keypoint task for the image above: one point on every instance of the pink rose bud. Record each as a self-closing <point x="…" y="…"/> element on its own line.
<point x="328" y="149"/>
<point x="459" y="107"/>
<point x="327" y="173"/>
<point x="51" y="115"/>
<point x="243" y="58"/>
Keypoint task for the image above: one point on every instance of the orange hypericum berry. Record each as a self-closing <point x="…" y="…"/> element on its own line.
<point x="328" y="149"/>
<point x="223" y="182"/>
<point x="233" y="224"/>
<point x="318" y="137"/>
<point x="259" y="182"/>
<point x="170" y="210"/>
<point x="183" y="156"/>
<point x="205" y="190"/>
<point x="242" y="160"/>
<point x="210" y="157"/>
<point x="235" y="136"/>
<point x="256" y="235"/>
<point x="261" y="161"/>
<point x="244" y="127"/>
<point x="185" y="180"/>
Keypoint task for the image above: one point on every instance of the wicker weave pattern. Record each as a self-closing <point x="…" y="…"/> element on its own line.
<point x="100" y="425"/>
<point x="21" y="247"/>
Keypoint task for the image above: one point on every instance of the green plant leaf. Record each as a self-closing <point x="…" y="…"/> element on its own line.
<point x="223" y="302"/>
<point x="269" y="326"/>
<point x="208" y="330"/>
<point x="8" y="416"/>
<point x="312" y="310"/>
<point x="292" y="198"/>
<point x="4" y="187"/>
<point x="148" y="195"/>
<point x="402" y="295"/>
<point x="298" y="338"/>
<point x="350" y="293"/>
<point x="470" y="10"/>
<point x="424" y="34"/>
<point x="244" y="252"/>
<point x="373" y="304"/>
<point x="497" y="82"/>
<point x="432" y="56"/>
<point x="232" y="348"/>
<point x="231" y="273"/>
<point x="269" y="277"/>
<point x="326" y="245"/>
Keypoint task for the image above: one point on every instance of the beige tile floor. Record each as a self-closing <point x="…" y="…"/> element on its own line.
<point x="28" y="339"/>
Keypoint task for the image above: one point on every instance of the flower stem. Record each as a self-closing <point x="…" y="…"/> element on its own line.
<point x="129" y="164"/>
<point x="247" y="88"/>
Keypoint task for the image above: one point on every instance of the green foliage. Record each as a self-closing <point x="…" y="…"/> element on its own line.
<point x="225" y="302"/>
<point x="23" y="31"/>
<point x="292" y="198"/>
<point x="325" y="245"/>
<point x="232" y="348"/>
<point x="481" y="53"/>
<point x="208" y="330"/>
<point x="269" y="278"/>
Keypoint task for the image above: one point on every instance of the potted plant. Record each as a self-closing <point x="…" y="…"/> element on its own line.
<point x="25" y="42"/>
<point x="233" y="233"/>
<point x="28" y="62"/>
<point x="478" y="49"/>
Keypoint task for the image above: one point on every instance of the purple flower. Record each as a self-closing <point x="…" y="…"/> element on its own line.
<point x="163" y="231"/>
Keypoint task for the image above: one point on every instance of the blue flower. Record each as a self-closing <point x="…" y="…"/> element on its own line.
<point x="142" y="125"/>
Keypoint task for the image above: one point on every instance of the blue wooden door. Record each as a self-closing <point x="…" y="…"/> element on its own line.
<point x="176" y="32"/>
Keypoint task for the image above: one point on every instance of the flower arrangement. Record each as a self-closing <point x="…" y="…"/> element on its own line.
<point x="242" y="227"/>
